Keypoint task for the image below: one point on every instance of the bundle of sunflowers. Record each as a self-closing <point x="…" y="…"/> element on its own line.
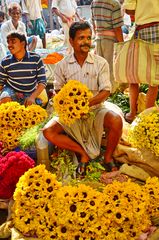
<point x="72" y="101"/>
<point x="45" y="209"/>
<point x="15" y="118"/>
<point x="144" y="131"/>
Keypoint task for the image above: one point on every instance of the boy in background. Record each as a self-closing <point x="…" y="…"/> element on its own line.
<point x="14" y="24"/>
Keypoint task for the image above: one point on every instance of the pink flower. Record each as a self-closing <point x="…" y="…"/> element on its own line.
<point x="12" y="166"/>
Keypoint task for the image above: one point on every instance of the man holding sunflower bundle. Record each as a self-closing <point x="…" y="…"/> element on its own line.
<point x="85" y="134"/>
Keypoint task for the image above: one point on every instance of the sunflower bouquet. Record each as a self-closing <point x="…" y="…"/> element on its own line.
<point x="72" y="101"/>
<point x="144" y="131"/>
<point x="45" y="209"/>
<point x="15" y="118"/>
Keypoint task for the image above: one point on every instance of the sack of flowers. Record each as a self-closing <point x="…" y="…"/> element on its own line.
<point x="144" y="131"/>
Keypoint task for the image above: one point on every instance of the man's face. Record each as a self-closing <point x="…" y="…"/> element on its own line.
<point x="82" y="41"/>
<point x="15" y="45"/>
<point x="15" y="14"/>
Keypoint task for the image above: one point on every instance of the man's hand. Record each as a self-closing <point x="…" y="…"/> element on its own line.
<point x="64" y="19"/>
<point x="29" y="101"/>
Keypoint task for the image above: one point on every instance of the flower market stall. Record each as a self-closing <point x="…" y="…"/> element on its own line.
<point x="55" y="204"/>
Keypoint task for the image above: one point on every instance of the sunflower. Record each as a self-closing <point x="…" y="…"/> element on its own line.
<point x="72" y="101"/>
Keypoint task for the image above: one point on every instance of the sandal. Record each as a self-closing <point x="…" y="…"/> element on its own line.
<point x="110" y="166"/>
<point x="81" y="169"/>
<point x="129" y="120"/>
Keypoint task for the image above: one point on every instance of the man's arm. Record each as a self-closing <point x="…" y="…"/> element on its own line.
<point x="100" y="97"/>
<point x="3" y="76"/>
<point x="31" y="100"/>
<point x="118" y="34"/>
<point x="61" y="15"/>
<point x="41" y="82"/>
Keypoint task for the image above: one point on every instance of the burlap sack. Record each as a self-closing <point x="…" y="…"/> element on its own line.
<point x="144" y="159"/>
<point x="5" y="231"/>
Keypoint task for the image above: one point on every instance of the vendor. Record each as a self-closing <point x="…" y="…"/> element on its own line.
<point x="85" y="135"/>
<point x="22" y="73"/>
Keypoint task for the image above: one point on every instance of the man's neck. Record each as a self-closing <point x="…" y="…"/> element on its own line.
<point x="19" y="56"/>
<point x="81" y="58"/>
<point x="15" y="23"/>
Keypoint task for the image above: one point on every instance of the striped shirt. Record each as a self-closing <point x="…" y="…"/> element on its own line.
<point x="106" y="14"/>
<point x="94" y="73"/>
<point x="24" y="75"/>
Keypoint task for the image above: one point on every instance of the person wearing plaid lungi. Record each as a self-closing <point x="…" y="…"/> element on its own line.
<point x="147" y="21"/>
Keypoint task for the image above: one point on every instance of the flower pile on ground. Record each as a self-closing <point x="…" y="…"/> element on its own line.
<point x="14" y="118"/>
<point x="33" y="207"/>
<point x="45" y="209"/>
<point x="72" y="101"/>
<point x="12" y="166"/>
<point x="152" y="189"/>
<point x="144" y="131"/>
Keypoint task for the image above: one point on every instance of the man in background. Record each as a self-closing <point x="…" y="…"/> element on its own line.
<point x="107" y="21"/>
<point x="147" y="21"/>
<point x="66" y="10"/>
<point x="35" y="20"/>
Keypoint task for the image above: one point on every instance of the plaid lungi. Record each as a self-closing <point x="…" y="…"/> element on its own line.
<point x="150" y="34"/>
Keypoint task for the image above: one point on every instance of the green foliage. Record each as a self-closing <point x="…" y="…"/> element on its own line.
<point x="29" y="136"/>
<point x="62" y="165"/>
<point x="94" y="170"/>
<point x="121" y="100"/>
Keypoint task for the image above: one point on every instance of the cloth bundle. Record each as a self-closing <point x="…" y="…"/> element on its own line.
<point x="136" y="61"/>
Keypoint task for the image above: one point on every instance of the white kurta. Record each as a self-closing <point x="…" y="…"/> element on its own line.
<point x="8" y="27"/>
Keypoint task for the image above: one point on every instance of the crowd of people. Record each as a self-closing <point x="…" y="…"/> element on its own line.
<point x="22" y="73"/>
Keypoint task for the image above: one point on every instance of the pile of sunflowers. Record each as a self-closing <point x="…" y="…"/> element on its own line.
<point x="15" y="118"/>
<point x="45" y="209"/>
<point x="144" y="131"/>
<point x="72" y="101"/>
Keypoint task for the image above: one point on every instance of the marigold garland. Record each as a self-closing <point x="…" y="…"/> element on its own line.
<point x="72" y="101"/>
<point x="144" y="132"/>
<point x="47" y="210"/>
<point x="14" y="118"/>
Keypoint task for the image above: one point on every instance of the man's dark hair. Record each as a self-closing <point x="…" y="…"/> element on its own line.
<point x="19" y="35"/>
<point x="76" y="26"/>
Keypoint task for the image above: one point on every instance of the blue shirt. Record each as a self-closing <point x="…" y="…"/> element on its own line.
<point x="23" y="75"/>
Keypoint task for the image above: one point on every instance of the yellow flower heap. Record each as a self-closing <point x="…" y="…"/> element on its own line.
<point x="72" y="101"/>
<point x="14" y="118"/>
<point x="144" y="132"/>
<point x="152" y="190"/>
<point x="45" y="209"/>
<point x="33" y="203"/>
